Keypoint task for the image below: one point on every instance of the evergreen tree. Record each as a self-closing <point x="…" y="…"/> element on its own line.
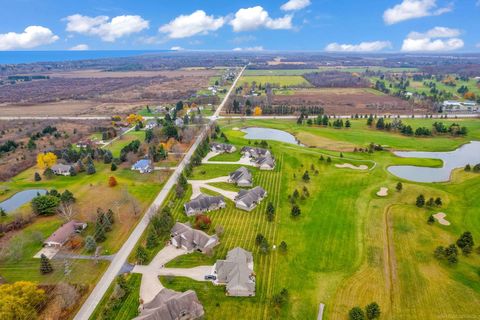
<point x="283" y="247"/>
<point x="372" y="311"/>
<point x="99" y="233"/>
<point x="306" y="177"/>
<point x="113" y="167"/>
<point x="431" y="220"/>
<point x="356" y="313"/>
<point x="295" y="212"/>
<point x="420" y="201"/>
<point x="152" y="239"/>
<point x="37" y="177"/>
<point x="141" y="255"/>
<point x="45" y="265"/>
<point x="468" y="168"/>
<point x="90" y="168"/>
<point x="90" y="244"/>
<point x="3" y="213"/>
<point x="438" y="202"/>
<point x="399" y="186"/>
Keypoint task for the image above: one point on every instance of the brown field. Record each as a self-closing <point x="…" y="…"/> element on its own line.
<point x="93" y="92"/>
<point x="346" y="101"/>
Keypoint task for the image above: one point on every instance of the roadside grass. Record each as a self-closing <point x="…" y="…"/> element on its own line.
<point x="129" y="307"/>
<point x="282" y="81"/>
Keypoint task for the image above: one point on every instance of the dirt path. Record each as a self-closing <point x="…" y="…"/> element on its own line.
<point x="390" y="263"/>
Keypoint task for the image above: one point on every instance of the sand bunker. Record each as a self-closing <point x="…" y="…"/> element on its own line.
<point x="383" y="192"/>
<point x="351" y="166"/>
<point x="441" y="218"/>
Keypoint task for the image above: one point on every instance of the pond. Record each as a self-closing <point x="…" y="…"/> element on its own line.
<point x="19" y="199"/>
<point x="257" y="133"/>
<point x="459" y="158"/>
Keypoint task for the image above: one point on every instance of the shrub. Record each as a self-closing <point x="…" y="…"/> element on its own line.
<point x="141" y="255"/>
<point x="202" y="222"/>
<point x="112" y="182"/>
<point x="356" y="313"/>
<point x="90" y="244"/>
<point x="295" y="212"/>
<point x="373" y="311"/>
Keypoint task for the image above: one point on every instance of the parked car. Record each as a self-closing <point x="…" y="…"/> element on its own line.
<point x="210" y="277"/>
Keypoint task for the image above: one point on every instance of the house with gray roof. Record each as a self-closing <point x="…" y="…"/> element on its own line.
<point x="254" y="152"/>
<point x="64" y="233"/>
<point x="249" y="199"/>
<point x="172" y="305"/>
<point x="222" y="147"/>
<point x="236" y="273"/>
<point x="203" y="203"/>
<point x="262" y="158"/>
<point x="265" y="162"/>
<point x="242" y="177"/>
<point x="61" y="169"/>
<point x="184" y="236"/>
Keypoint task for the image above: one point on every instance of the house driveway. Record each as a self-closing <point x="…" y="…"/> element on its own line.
<point x="197" y="273"/>
<point x="49" y="252"/>
<point x="151" y="285"/>
<point x="197" y="184"/>
<point x="243" y="160"/>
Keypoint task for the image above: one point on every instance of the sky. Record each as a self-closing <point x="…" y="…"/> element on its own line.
<point x="375" y="26"/>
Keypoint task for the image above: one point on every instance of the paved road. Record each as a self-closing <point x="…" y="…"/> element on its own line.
<point x="122" y="255"/>
<point x="403" y="116"/>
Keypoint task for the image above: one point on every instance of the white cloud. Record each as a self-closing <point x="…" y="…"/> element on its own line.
<point x="80" y="47"/>
<point x="293" y="5"/>
<point x="256" y="17"/>
<point x="31" y="37"/>
<point x="176" y="48"/>
<point x="250" y="49"/>
<point x="437" y="32"/>
<point x="110" y="31"/>
<point x="436" y="39"/>
<point x="412" y="9"/>
<point x="478" y="45"/>
<point x="361" y="47"/>
<point x="189" y="25"/>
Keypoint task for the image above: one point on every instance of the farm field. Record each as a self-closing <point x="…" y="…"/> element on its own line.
<point x="344" y="100"/>
<point x="360" y="69"/>
<point x="280" y="72"/>
<point x="280" y="81"/>
<point x="349" y="247"/>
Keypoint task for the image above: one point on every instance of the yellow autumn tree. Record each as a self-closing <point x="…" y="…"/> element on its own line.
<point x="134" y="118"/>
<point x="20" y="300"/>
<point x="46" y="160"/>
<point x="469" y="96"/>
<point x="257" y="111"/>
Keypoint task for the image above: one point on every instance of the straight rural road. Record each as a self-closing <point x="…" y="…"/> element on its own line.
<point x="122" y="255"/>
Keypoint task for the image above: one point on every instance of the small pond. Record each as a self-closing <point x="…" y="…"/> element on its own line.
<point x="459" y="158"/>
<point x="19" y="199"/>
<point x="256" y="133"/>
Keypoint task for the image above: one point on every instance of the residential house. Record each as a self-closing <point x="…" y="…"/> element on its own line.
<point x="265" y="163"/>
<point x="151" y="124"/>
<point x="143" y="166"/>
<point x="453" y="105"/>
<point x="61" y="169"/>
<point x="184" y="236"/>
<point x="179" y="122"/>
<point x="85" y="143"/>
<point x="241" y="177"/>
<point x="172" y="305"/>
<point x="63" y="234"/>
<point x="236" y="272"/>
<point x="248" y="199"/>
<point x="254" y="153"/>
<point x="222" y="147"/>
<point x="203" y="203"/>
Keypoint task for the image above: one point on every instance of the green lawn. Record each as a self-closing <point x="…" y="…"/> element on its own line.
<point x="280" y="81"/>
<point x="348" y="247"/>
<point x="116" y="146"/>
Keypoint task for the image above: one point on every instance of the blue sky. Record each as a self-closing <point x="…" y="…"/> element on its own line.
<point x="313" y="25"/>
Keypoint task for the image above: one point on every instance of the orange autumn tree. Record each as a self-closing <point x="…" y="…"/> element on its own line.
<point x="469" y="96"/>
<point x="257" y="111"/>
<point x="46" y="160"/>
<point x="112" y="182"/>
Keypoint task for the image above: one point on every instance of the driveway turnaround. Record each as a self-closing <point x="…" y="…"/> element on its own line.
<point x="197" y="273"/>
<point x="197" y="184"/>
<point x="244" y="161"/>
<point x="151" y="285"/>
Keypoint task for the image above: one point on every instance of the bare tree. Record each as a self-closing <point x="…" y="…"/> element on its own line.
<point x="132" y="201"/>
<point x="66" y="211"/>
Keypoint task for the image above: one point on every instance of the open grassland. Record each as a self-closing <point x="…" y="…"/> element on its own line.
<point x="279" y="81"/>
<point x="348" y="247"/>
<point x="281" y="72"/>
<point x="122" y="141"/>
